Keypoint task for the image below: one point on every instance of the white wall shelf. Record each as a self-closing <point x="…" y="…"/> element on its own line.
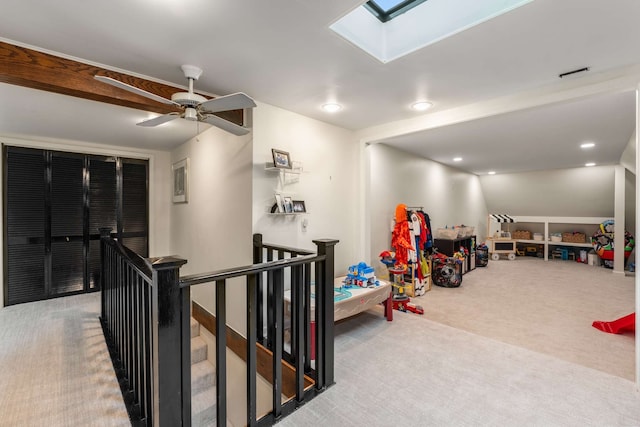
<point x="287" y="177"/>
<point x="294" y="171"/>
<point x="554" y="222"/>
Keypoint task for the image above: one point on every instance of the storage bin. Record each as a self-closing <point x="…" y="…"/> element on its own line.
<point x="447" y="233"/>
<point x="574" y="237"/>
<point x="521" y="234"/>
<point x="556" y="237"/>
<point x="537" y="236"/>
<point x="466" y="231"/>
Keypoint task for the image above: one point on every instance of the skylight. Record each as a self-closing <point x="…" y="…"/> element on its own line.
<point x="414" y="24"/>
<point x="385" y="10"/>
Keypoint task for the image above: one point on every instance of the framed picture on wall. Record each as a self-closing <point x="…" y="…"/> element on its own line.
<point x="279" y="204"/>
<point x="281" y="159"/>
<point x="181" y="181"/>
<point x="299" y="206"/>
<point x="288" y="204"/>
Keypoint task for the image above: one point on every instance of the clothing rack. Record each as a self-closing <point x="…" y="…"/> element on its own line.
<point x="415" y="208"/>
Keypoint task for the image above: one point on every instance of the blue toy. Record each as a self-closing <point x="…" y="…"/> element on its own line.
<point x="361" y="275"/>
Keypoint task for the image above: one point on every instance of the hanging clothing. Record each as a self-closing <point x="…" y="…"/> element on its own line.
<point x="427" y="222"/>
<point x="401" y="238"/>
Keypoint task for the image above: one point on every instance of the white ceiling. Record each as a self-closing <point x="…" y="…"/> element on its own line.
<point x="281" y="52"/>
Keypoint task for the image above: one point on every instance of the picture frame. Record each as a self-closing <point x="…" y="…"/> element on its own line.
<point x="288" y="204"/>
<point x="281" y="159"/>
<point x="180" y="172"/>
<point x="279" y="203"/>
<point x="299" y="206"/>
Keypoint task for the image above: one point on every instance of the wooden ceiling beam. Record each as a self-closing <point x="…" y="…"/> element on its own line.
<point x="37" y="70"/>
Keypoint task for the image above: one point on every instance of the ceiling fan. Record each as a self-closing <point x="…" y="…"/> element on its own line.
<point x="195" y="107"/>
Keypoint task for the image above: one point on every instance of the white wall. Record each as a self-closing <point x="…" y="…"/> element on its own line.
<point x="328" y="184"/>
<point x="562" y="192"/>
<point x="449" y="196"/>
<point x="630" y="202"/>
<point x="213" y="230"/>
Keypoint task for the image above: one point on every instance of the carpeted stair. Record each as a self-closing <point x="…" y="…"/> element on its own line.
<point x="203" y="382"/>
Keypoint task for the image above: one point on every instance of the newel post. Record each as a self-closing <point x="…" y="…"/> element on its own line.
<point x="171" y="344"/>
<point x="105" y="234"/>
<point x="325" y="305"/>
<point x="258" y="258"/>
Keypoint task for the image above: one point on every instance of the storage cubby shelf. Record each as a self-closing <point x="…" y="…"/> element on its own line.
<point x="548" y="221"/>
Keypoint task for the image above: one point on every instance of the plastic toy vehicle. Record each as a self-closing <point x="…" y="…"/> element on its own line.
<point x="361" y="275"/>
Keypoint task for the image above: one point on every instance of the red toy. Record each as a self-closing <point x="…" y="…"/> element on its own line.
<point x="406" y="305"/>
<point x="623" y="324"/>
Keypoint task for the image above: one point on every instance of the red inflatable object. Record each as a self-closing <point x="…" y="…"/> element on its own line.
<point x="623" y="324"/>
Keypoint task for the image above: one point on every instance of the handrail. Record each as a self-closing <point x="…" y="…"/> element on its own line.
<point x="146" y="307"/>
<point x="228" y="273"/>
<point x="275" y="247"/>
<point x="137" y="262"/>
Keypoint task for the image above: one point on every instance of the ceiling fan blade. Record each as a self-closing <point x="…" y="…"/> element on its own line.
<point x="159" y="120"/>
<point x="226" y="125"/>
<point x="235" y="101"/>
<point x="133" y="89"/>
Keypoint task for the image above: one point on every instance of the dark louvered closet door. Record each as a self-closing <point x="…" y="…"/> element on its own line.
<point x="25" y="216"/>
<point x="103" y="209"/>
<point x="67" y="223"/>
<point x="134" y="206"/>
<point x="55" y="204"/>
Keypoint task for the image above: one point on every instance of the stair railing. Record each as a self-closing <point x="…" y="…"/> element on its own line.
<point x="146" y="322"/>
<point x="147" y="331"/>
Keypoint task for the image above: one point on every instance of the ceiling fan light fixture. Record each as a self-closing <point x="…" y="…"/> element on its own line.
<point x="190" y="114"/>
<point x="332" y="107"/>
<point x="196" y="107"/>
<point x="421" y="105"/>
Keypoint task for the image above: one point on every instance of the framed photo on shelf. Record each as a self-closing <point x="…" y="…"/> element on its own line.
<point x="288" y="204"/>
<point x="281" y="159"/>
<point x="181" y="181"/>
<point x="279" y="204"/>
<point x="299" y="207"/>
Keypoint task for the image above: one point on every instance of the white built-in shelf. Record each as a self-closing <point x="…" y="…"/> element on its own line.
<point x="551" y="220"/>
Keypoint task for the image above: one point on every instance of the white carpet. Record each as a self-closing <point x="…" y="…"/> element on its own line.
<point x="414" y="371"/>
<point x="543" y="306"/>
<point x="55" y="366"/>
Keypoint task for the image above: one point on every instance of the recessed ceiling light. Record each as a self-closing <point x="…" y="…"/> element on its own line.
<point x="491" y="173"/>
<point x="587" y="145"/>
<point x="589" y="164"/>
<point x="332" y="107"/>
<point x="457" y="159"/>
<point x="421" y="105"/>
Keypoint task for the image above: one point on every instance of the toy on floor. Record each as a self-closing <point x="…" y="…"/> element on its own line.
<point x="603" y="243"/>
<point x="361" y="275"/>
<point x="408" y="306"/>
<point x="400" y="299"/>
<point x="618" y="326"/>
<point x="446" y="271"/>
<point x="482" y="255"/>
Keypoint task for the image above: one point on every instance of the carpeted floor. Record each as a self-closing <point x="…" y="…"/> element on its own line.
<point x="55" y="367"/>
<point x="416" y="370"/>
<point x="546" y="307"/>
<point x="513" y="346"/>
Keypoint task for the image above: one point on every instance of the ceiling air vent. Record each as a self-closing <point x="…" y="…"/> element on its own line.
<point x="574" y="72"/>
